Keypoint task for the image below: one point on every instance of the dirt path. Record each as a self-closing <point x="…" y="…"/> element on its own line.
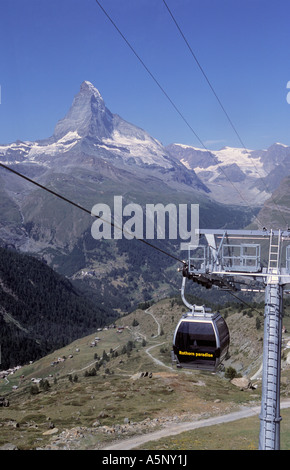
<point x="156" y="361"/>
<point x="173" y="429"/>
<point x="156" y="321"/>
<point x="177" y="428"/>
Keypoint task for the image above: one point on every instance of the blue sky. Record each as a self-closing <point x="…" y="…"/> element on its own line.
<point x="49" y="47"/>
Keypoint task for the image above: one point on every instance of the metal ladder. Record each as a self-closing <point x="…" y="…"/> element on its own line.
<point x="274" y="253"/>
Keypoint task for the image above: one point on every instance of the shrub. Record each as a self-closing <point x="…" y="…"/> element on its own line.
<point x="258" y="323"/>
<point x="91" y="373"/>
<point x="34" y="390"/>
<point x="44" y="385"/>
<point x="230" y="373"/>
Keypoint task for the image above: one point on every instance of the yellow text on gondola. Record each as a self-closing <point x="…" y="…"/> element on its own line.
<point x="195" y="354"/>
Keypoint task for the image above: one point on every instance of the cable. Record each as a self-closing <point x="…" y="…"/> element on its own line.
<point x="204" y="74"/>
<point x="175" y="107"/>
<point x="111" y="223"/>
<point x="244" y="302"/>
<point x="87" y="211"/>
<point x="150" y="73"/>
<point x="221" y="105"/>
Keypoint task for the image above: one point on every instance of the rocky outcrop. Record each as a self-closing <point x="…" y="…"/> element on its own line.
<point x="243" y="383"/>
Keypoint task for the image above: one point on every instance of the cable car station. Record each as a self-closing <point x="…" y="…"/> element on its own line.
<point x="238" y="260"/>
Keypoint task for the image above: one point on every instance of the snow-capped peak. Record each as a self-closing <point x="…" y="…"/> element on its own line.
<point x="87" y="115"/>
<point x="192" y="158"/>
<point x="281" y="145"/>
<point x="87" y="86"/>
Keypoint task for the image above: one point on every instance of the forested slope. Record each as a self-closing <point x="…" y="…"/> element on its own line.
<point x="40" y="310"/>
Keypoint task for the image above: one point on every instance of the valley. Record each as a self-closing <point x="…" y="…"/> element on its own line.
<point x="91" y="321"/>
<point x="92" y="157"/>
<point x="119" y="382"/>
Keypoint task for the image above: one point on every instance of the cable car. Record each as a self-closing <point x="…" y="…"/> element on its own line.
<point x="201" y="339"/>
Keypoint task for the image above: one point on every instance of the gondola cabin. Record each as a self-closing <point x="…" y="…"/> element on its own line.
<point x="201" y="340"/>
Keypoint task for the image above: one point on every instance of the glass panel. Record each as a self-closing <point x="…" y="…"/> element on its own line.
<point x="223" y="332"/>
<point x="192" y="336"/>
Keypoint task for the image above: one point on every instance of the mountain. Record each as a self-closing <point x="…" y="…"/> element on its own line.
<point x="94" y="139"/>
<point x="275" y="212"/>
<point x="91" y="153"/>
<point x="92" y="156"/>
<point x="235" y="174"/>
